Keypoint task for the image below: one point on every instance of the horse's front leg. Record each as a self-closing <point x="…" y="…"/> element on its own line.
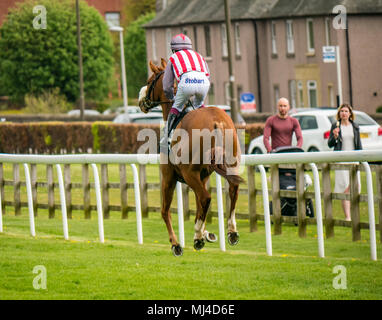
<point x="168" y="187"/>
<point x="233" y="235"/>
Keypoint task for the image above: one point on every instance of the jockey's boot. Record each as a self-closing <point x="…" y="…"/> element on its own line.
<point x="164" y="143"/>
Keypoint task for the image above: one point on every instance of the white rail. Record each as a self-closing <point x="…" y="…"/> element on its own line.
<point x="259" y="160"/>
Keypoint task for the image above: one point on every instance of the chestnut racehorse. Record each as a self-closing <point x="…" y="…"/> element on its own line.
<point x="196" y="170"/>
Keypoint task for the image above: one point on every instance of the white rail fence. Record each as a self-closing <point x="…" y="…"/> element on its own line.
<point x="249" y="160"/>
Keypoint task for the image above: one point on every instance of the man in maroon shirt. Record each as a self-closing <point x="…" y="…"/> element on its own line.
<point x="281" y="127"/>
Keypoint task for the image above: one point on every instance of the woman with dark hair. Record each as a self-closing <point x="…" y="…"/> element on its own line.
<point x="345" y="136"/>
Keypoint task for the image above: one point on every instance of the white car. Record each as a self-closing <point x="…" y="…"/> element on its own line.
<point x="87" y="112"/>
<point x="144" y="118"/>
<point x="119" y="110"/>
<point x="315" y="126"/>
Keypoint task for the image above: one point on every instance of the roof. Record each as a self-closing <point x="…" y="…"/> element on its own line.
<point x="183" y="12"/>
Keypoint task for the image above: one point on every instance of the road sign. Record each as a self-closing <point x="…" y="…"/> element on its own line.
<point x="329" y="54"/>
<point x="247" y="102"/>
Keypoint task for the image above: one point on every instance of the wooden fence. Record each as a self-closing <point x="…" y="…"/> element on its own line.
<point x="250" y="190"/>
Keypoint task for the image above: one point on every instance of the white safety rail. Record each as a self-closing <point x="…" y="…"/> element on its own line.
<point x="249" y="160"/>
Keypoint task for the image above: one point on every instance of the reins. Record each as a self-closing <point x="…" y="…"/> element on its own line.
<point x="149" y="104"/>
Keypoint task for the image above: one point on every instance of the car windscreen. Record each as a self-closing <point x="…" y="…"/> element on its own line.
<point x="147" y="120"/>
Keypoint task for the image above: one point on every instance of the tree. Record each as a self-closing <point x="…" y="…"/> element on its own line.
<point x="136" y="62"/>
<point x="34" y="60"/>
<point x="133" y="9"/>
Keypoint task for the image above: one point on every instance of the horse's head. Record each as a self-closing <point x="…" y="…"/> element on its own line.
<point x="152" y="93"/>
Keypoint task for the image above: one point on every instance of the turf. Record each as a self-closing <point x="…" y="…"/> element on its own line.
<point x="83" y="268"/>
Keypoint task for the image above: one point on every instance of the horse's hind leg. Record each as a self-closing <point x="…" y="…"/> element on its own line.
<point x="203" y="200"/>
<point x="168" y="187"/>
<point x="233" y="235"/>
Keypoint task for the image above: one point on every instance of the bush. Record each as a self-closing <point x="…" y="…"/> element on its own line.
<point x="49" y="101"/>
<point x="36" y="60"/>
<point x="379" y="109"/>
<point x="79" y="137"/>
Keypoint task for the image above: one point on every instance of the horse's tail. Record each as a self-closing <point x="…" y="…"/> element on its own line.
<point x="219" y="164"/>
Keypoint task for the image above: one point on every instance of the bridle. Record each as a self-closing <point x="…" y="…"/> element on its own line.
<point x="148" y="103"/>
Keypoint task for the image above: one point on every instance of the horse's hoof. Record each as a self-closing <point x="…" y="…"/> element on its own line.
<point x="233" y="238"/>
<point x="198" y="244"/>
<point x="210" y="237"/>
<point x="177" y="250"/>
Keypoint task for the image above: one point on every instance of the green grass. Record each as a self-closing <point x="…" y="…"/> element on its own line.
<point x="83" y="268"/>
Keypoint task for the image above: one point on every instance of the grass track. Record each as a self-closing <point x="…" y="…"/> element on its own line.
<point x="82" y="268"/>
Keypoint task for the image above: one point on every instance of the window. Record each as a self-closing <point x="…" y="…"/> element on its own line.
<point x="310" y="35"/>
<point x="312" y="94"/>
<point x="327" y="32"/>
<point x="276" y="95"/>
<point x="154" y="45"/>
<point x="168" y="41"/>
<point x="224" y="40"/>
<point x="273" y="38"/>
<point x="300" y="89"/>
<point x="207" y="37"/>
<point x="308" y="122"/>
<point x="289" y="34"/>
<point x="112" y="19"/>
<point x="237" y="39"/>
<point x="292" y="93"/>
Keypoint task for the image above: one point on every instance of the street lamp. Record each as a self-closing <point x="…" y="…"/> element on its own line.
<point x="123" y="69"/>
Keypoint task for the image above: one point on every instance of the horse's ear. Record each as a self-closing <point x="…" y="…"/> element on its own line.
<point x="153" y="67"/>
<point x="163" y="63"/>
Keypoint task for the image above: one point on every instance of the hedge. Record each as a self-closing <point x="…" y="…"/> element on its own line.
<point x="82" y="137"/>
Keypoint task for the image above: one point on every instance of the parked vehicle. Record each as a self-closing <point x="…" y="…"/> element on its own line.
<point x="87" y="112"/>
<point x="146" y="118"/>
<point x="315" y="126"/>
<point x="119" y="110"/>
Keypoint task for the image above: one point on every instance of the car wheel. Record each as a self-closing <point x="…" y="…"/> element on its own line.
<point x="313" y="149"/>
<point x="257" y="151"/>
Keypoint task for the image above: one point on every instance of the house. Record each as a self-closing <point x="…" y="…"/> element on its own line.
<point x="277" y="48"/>
<point x="110" y="9"/>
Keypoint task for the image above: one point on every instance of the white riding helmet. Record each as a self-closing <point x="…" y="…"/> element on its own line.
<point x="180" y="42"/>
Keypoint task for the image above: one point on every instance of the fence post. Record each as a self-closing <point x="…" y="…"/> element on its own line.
<point x="34" y="187"/>
<point x="186" y="201"/>
<point x="2" y="188"/>
<point x="379" y="198"/>
<point x="68" y="190"/>
<point x="16" y="186"/>
<point x="354" y="203"/>
<point x="276" y="205"/>
<point x="252" y="198"/>
<point x="49" y="178"/>
<point x="328" y="202"/>
<point x="123" y="189"/>
<point x="301" y="206"/>
<point x="105" y="191"/>
<point x="86" y="190"/>
<point x="143" y="190"/>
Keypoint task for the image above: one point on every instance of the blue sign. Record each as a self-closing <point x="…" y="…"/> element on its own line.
<point x="247" y="102"/>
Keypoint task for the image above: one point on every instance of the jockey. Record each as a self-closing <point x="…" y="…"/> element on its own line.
<point x="191" y="72"/>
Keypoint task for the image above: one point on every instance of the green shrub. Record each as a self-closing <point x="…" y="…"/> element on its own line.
<point x="49" y="101"/>
<point x="35" y="60"/>
<point x="379" y="109"/>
